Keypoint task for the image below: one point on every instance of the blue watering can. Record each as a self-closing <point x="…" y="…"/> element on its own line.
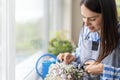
<point x="44" y="67"/>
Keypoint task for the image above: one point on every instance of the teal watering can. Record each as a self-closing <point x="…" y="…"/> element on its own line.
<point x="43" y="66"/>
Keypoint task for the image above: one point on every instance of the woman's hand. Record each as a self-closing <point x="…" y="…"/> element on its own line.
<point x="66" y="57"/>
<point x="93" y="68"/>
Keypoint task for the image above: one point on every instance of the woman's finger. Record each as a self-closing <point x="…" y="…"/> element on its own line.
<point x="89" y="62"/>
<point x="60" y="56"/>
<point x="67" y="58"/>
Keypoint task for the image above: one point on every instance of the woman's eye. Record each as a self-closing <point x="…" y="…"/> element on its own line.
<point x="89" y="19"/>
<point x="92" y="19"/>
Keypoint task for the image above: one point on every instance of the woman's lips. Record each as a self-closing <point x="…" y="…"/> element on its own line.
<point x="91" y="28"/>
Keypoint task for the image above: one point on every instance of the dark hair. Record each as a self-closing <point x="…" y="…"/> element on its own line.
<point x="109" y="30"/>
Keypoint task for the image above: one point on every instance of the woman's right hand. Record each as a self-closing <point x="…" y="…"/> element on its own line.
<point x="66" y="57"/>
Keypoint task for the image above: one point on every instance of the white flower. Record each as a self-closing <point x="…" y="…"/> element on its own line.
<point x="69" y="76"/>
<point x="63" y="76"/>
<point x="61" y="71"/>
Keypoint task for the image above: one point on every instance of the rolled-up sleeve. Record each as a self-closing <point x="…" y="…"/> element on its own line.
<point x="110" y="73"/>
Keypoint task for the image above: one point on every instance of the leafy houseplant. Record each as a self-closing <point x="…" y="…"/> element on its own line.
<point x="60" y="45"/>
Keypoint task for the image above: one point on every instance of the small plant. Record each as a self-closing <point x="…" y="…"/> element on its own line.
<point x="61" y="71"/>
<point x="60" y="45"/>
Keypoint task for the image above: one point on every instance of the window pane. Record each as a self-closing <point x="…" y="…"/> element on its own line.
<point x="34" y="28"/>
<point x="29" y="28"/>
<point x="56" y="15"/>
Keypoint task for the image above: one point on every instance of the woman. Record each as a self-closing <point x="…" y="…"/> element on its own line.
<point x="99" y="40"/>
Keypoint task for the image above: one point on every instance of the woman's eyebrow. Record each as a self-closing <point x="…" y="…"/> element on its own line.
<point x="91" y="16"/>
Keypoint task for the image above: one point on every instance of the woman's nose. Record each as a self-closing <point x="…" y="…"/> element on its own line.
<point x="87" y="22"/>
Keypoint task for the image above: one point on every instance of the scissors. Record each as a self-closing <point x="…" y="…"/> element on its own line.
<point x="84" y="65"/>
<point x="82" y="68"/>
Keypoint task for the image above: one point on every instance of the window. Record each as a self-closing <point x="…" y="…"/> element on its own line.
<point x="30" y="31"/>
<point x="36" y="23"/>
<point x="25" y="29"/>
<point x="31" y="34"/>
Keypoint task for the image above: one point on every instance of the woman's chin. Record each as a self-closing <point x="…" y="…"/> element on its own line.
<point x="92" y="30"/>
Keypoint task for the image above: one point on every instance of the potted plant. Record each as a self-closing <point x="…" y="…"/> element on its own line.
<point x="59" y="44"/>
<point x="62" y="71"/>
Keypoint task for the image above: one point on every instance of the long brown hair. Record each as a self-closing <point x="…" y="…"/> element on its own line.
<point x="109" y="30"/>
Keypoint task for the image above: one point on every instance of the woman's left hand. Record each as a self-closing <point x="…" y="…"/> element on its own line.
<point x="93" y="68"/>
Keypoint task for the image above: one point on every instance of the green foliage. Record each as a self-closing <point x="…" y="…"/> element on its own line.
<point x="60" y="45"/>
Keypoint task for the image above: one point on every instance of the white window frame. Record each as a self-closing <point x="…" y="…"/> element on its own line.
<point x="8" y="39"/>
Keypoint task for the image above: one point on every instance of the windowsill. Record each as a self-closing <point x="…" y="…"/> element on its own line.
<point x="26" y="69"/>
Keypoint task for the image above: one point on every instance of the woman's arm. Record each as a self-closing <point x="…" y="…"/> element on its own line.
<point x="107" y="72"/>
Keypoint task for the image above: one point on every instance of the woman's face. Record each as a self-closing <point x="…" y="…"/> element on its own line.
<point x="91" y="19"/>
